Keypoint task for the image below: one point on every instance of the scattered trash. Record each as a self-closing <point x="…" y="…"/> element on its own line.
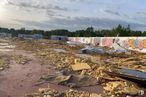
<point x="74" y="43"/>
<point x="92" y="50"/>
<point x="117" y="47"/>
<point x="131" y="75"/>
<point x="88" y="68"/>
<point x="121" y="87"/>
<point x="47" y="92"/>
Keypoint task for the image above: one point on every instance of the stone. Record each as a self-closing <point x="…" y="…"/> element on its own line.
<point x="80" y="66"/>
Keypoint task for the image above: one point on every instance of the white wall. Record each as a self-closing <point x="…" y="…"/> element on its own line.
<point x="133" y="43"/>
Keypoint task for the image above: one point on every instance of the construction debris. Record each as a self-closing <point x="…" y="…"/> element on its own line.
<point x="88" y="68"/>
<point x="80" y="66"/>
<point x="136" y="76"/>
<point x="4" y="61"/>
<point x="71" y="80"/>
<point x="122" y="87"/>
<point x="92" y="50"/>
<point x="46" y="92"/>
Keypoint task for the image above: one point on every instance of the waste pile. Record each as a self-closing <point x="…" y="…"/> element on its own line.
<point x="47" y="92"/>
<point x="4" y="61"/>
<point x="76" y="70"/>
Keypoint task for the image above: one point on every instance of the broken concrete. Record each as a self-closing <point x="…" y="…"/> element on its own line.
<point x="72" y="80"/>
<point x="93" y="72"/>
<point x="131" y="75"/>
<point x="80" y="66"/>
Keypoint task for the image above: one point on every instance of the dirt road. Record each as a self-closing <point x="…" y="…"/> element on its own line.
<point x="21" y="79"/>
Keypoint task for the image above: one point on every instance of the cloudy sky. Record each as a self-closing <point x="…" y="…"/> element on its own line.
<point x="72" y="14"/>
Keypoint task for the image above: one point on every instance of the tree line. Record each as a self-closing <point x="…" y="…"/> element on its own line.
<point x="89" y="32"/>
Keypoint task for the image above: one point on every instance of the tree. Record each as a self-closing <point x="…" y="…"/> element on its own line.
<point x="136" y="33"/>
<point x="89" y="32"/>
<point x="144" y="33"/>
<point x="13" y="32"/>
<point x="121" y="31"/>
<point x="90" y="29"/>
<point x="34" y="31"/>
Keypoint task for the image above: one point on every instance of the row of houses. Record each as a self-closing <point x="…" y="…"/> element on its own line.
<point x="24" y="36"/>
<point x="3" y="35"/>
<point x="30" y="37"/>
<point x="34" y="36"/>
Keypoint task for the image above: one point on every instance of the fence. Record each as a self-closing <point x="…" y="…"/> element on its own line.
<point x="133" y="43"/>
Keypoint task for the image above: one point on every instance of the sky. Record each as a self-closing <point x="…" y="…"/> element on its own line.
<point x="72" y="14"/>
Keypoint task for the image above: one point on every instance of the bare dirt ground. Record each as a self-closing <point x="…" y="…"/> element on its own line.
<point x="19" y="80"/>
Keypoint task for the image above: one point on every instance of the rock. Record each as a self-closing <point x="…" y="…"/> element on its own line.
<point x="80" y="66"/>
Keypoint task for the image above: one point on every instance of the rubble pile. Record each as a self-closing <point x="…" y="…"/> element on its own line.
<point x="122" y="87"/>
<point x="134" y="62"/>
<point x="70" y="67"/>
<point x="4" y="61"/>
<point x="61" y="60"/>
<point x="71" y="80"/>
<point x="46" y="92"/>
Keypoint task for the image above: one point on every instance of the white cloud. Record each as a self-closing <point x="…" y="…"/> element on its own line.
<point x="63" y="13"/>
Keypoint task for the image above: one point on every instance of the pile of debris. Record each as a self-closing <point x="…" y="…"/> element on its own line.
<point x="90" y="67"/>
<point x="4" y="61"/>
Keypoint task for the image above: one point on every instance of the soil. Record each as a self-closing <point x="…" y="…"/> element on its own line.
<point x="19" y="79"/>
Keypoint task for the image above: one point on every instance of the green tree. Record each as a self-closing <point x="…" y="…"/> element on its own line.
<point x="144" y="33"/>
<point x="136" y="33"/>
<point x="121" y="31"/>
<point x="13" y="32"/>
